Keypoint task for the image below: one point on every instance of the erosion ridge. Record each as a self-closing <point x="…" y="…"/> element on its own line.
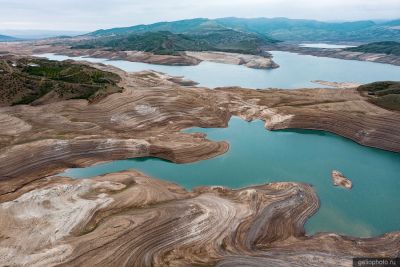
<point x="128" y="219"/>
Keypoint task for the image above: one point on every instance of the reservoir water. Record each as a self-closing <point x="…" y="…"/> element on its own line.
<point x="257" y="156"/>
<point x="296" y="71"/>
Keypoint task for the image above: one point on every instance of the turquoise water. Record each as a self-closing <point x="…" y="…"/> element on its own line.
<point x="257" y="156"/>
<point x="296" y="71"/>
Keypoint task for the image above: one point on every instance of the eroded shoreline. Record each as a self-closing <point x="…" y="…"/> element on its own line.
<point x="338" y="53"/>
<point x="212" y="225"/>
<point x="148" y="222"/>
<point x="186" y="58"/>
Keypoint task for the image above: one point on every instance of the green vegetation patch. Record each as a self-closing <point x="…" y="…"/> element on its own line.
<point x="388" y="48"/>
<point x="168" y="43"/>
<point x="384" y="94"/>
<point x="27" y="81"/>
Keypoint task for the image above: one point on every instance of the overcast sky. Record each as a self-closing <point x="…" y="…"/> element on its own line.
<point x="87" y="15"/>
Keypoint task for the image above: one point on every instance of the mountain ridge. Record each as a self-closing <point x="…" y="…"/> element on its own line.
<point x="204" y="35"/>
<point x="6" y="38"/>
<point x="276" y="28"/>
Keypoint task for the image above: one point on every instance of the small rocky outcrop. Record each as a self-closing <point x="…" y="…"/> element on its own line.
<point x="250" y="61"/>
<point x="339" y="179"/>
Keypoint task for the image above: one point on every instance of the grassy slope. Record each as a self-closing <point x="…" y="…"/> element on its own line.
<point x="384" y="94"/>
<point x="389" y="48"/>
<point x="24" y="81"/>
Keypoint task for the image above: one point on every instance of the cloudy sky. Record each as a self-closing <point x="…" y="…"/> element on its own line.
<point x="87" y="15"/>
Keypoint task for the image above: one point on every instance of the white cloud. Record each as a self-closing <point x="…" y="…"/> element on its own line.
<point x="94" y="14"/>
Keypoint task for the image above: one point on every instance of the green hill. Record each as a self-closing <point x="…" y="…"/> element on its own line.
<point x="205" y="38"/>
<point x="236" y="34"/>
<point x="388" y="48"/>
<point x="384" y="94"/>
<point x="25" y="81"/>
<point x="284" y="29"/>
<point x="181" y="26"/>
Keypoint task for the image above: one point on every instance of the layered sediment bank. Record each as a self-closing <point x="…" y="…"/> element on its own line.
<point x="153" y="108"/>
<point x="250" y="61"/>
<point x="338" y="84"/>
<point x="338" y="53"/>
<point x="341" y="111"/>
<point x="186" y="58"/>
<point x="128" y="219"/>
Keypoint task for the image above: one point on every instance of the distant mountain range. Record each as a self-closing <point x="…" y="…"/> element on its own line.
<point x="5" y="38"/>
<point x="38" y="34"/>
<point x="295" y="30"/>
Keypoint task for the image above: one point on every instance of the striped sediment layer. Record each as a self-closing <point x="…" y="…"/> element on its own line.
<point x="340" y="111"/>
<point x="340" y="54"/>
<point x="47" y="157"/>
<point x="128" y="219"/>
